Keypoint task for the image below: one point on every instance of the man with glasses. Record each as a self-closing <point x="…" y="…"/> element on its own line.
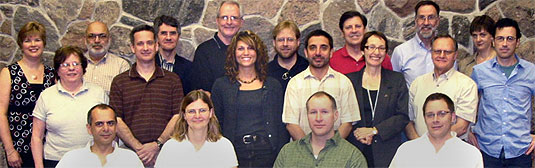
<point x="287" y="63"/>
<point x="506" y="85"/>
<point x="438" y="147"/>
<point x="447" y="80"/>
<point x="209" y="59"/>
<point x="102" y="66"/>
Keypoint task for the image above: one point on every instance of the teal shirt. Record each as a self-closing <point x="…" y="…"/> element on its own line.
<point x="336" y="153"/>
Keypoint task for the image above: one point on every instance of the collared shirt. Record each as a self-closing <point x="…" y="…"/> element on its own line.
<point x="166" y="64"/>
<point x="146" y="106"/>
<point x="336" y="153"/>
<point x="183" y="154"/>
<point x="83" y="157"/>
<point x="65" y="116"/>
<point x="504" y="116"/>
<point x="282" y="74"/>
<point x="412" y="59"/>
<point x="102" y="72"/>
<point x="342" y="62"/>
<point x="420" y="152"/>
<point x="466" y="65"/>
<point x="459" y="87"/>
<point x="208" y="63"/>
<point x="304" y="84"/>
<point x="181" y="66"/>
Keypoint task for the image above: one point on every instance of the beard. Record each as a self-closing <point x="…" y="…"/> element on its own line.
<point x="103" y="50"/>
<point x="427" y="34"/>
<point x="283" y="56"/>
<point x="325" y="62"/>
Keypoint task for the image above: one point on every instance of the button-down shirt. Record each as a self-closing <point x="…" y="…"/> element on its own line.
<point x="505" y="108"/>
<point x="336" y="153"/>
<point x="412" y="59"/>
<point x="342" y="62"/>
<point x="304" y="84"/>
<point x="102" y="72"/>
<point x="420" y="152"/>
<point x="284" y="75"/>
<point x="83" y="157"/>
<point x="459" y="87"/>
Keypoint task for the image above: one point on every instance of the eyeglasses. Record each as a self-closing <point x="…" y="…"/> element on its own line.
<point x="232" y="18"/>
<point x="192" y="112"/>
<point x="67" y="65"/>
<point x="439" y="52"/>
<point x="508" y="39"/>
<point x="282" y="39"/>
<point x="430" y="18"/>
<point x="373" y="48"/>
<point x="92" y="36"/>
<point x="440" y="114"/>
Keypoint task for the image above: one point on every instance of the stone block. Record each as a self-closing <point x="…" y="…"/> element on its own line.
<point x="402" y="8"/>
<point x="458" y="6"/>
<point x="484" y="3"/>
<point x="526" y="50"/>
<point x="523" y="11"/>
<point x="121" y="44"/>
<point x="107" y="12"/>
<point x="304" y="33"/>
<point x="367" y="5"/>
<point x="202" y="34"/>
<point x="263" y="8"/>
<point x="25" y="14"/>
<point x="8" y="46"/>
<point x="187" y="12"/>
<point x="87" y="10"/>
<point x="6" y="27"/>
<point x="7" y="10"/>
<point x="460" y="27"/>
<point x="331" y="18"/>
<point x="186" y="49"/>
<point x="75" y="35"/>
<point x="300" y="11"/>
<point x="130" y="21"/>
<point x="384" y="21"/>
<point x="62" y="12"/>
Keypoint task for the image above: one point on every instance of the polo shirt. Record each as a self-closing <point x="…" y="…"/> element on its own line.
<point x="102" y="72"/>
<point x="342" y="62"/>
<point x="284" y="75"/>
<point x="208" y="63"/>
<point x="83" y="157"/>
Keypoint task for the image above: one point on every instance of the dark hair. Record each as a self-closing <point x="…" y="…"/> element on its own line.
<point x="507" y="22"/>
<point x="168" y="20"/>
<point x="323" y="94"/>
<point x="139" y="28"/>
<point x="349" y="15"/>
<point x="445" y="36"/>
<point x="31" y="28"/>
<point x="483" y="22"/>
<point x="286" y="24"/>
<point x="439" y="96"/>
<point x="319" y="32"/>
<point x="181" y="127"/>
<point x="100" y="107"/>
<point x="251" y="39"/>
<point x="367" y="35"/>
<point x="424" y="3"/>
<point x="63" y="53"/>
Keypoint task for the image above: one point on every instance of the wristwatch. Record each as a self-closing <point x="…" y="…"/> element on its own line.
<point x="160" y="144"/>
<point x="374" y="131"/>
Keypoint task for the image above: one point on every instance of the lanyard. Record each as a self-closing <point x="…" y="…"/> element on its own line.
<point x="373" y="105"/>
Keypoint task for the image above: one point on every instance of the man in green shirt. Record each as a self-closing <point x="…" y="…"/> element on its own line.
<point x="323" y="147"/>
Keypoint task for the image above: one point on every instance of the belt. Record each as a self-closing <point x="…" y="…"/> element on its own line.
<point x="248" y="139"/>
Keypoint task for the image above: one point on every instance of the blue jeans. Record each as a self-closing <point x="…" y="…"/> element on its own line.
<point x="521" y="161"/>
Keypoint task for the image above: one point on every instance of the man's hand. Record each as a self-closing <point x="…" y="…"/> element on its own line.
<point x="531" y="145"/>
<point x="13" y="159"/>
<point x="148" y="153"/>
<point x="473" y="140"/>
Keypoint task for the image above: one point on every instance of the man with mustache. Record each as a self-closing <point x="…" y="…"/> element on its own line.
<point x="319" y="76"/>
<point x="102" y="66"/>
<point x="287" y="63"/>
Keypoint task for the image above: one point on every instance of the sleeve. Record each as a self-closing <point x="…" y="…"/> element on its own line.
<point x="40" y="109"/>
<point x="217" y="99"/>
<point x="466" y="105"/>
<point x="67" y="161"/>
<point x="116" y="98"/>
<point x="396" y="123"/>
<point x="348" y="101"/>
<point x="396" y="60"/>
<point x="124" y="66"/>
<point x="165" y="156"/>
<point x="280" y="161"/>
<point x="290" y="111"/>
<point x="387" y="63"/>
<point x="412" y="93"/>
<point x="200" y="71"/>
<point x="357" y="160"/>
<point x="178" y="95"/>
<point x="230" y="154"/>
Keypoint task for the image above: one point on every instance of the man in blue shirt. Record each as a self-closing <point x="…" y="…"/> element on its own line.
<point x="506" y="85"/>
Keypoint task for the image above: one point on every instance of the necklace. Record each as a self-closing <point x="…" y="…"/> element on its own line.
<point x="247" y="82"/>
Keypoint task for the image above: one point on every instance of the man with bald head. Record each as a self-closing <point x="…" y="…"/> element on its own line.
<point x="102" y="66"/>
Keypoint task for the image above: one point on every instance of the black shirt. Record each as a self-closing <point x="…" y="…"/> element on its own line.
<point x="208" y="63"/>
<point x="277" y="72"/>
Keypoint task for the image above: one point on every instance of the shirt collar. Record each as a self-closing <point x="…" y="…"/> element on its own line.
<point x="61" y="89"/>
<point x="343" y="51"/>
<point x="335" y="140"/>
<point x="446" y="75"/>
<point x="308" y="73"/>
<point x="419" y="41"/>
<point x="103" y="60"/>
<point x="158" y="72"/>
<point x="163" y="60"/>
<point x="92" y="142"/>
<point x="494" y="62"/>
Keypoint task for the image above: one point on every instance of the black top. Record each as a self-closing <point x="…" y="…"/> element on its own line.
<point x="182" y="68"/>
<point x="250" y="107"/>
<point x="367" y="106"/>
<point x="208" y="63"/>
<point x="277" y="72"/>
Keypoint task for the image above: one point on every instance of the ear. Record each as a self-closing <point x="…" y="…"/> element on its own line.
<point x="132" y="48"/>
<point x="211" y="112"/>
<point x="274" y="43"/>
<point x="453" y="118"/>
<point x="89" y="129"/>
<point x="336" y="115"/>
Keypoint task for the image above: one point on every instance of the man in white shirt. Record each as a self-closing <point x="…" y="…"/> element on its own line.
<point x="102" y="151"/>
<point x="439" y="147"/>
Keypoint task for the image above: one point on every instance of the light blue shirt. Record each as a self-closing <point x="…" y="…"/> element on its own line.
<point x="504" y="115"/>
<point x="412" y="59"/>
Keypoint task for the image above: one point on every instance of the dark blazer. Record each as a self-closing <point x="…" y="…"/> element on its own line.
<point x="224" y="97"/>
<point x="391" y="115"/>
<point x="182" y="68"/>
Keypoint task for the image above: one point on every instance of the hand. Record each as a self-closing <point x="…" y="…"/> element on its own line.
<point x="472" y="139"/>
<point x="363" y="132"/>
<point x="367" y="140"/>
<point x="13" y="159"/>
<point x="148" y="153"/>
<point x="531" y="145"/>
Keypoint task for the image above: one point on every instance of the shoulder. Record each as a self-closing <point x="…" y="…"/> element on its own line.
<point x="170" y="75"/>
<point x="206" y="45"/>
<point x="127" y="153"/>
<point x="182" y="61"/>
<point x="289" y="147"/>
<point x="272" y="82"/>
<point x="224" y="142"/>
<point x="122" y="75"/>
<point x="355" y="75"/>
<point x="464" y="78"/>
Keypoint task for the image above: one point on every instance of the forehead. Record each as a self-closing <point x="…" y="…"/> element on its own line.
<point x="353" y="20"/>
<point x="102" y="115"/>
<point x="72" y="57"/>
<point x="166" y="27"/>
<point x="97" y="28"/>
<point x="444" y="42"/>
<point x="318" y="40"/>
<point x="506" y="31"/>
<point x="228" y="9"/>
<point x="144" y="36"/>
<point x="436" y="105"/>
<point x="286" y="32"/>
<point x="480" y="30"/>
<point x="427" y="10"/>
<point x="321" y="102"/>
<point x="375" y="40"/>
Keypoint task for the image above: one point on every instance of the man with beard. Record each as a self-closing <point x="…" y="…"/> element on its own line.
<point x="413" y="57"/>
<point x="319" y="76"/>
<point x="168" y="30"/>
<point x="287" y="63"/>
<point x="102" y="66"/>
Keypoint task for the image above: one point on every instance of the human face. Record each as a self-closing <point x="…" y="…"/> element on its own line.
<point x="482" y="39"/>
<point x="144" y="46"/>
<point x="505" y="42"/>
<point x="229" y="20"/>
<point x="375" y="52"/>
<point x="97" y="39"/>
<point x="321" y="116"/>
<point x="245" y="54"/>
<point x="103" y="126"/>
<point x="33" y="46"/>
<point x="286" y="44"/>
<point x="318" y="52"/>
<point x="197" y="115"/>
<point x="69" y="72"/>
<point x="168" y="37"/>
<point x="438" y="119"/>
<point x="443" y="54"/>
<point x="427" y="21"/>
<point x="353" y="30"/>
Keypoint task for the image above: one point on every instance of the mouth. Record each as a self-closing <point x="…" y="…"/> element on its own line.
<point x="319" y="126"/>
<point x="246" y="58"/>
<point x="504" y="50"/>
<point x="436" y="127"/>
<point x="33" y="50"/>
<point x="376" y="58"/>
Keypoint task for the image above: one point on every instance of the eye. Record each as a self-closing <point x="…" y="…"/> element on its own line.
<point x="313" y="112"/>
<point x="99" y="124"/>
<point x="191" y="111"/>
<point x="111" y="123"/>
<point x="324" y="47"/>
<point x="312" y="47"/>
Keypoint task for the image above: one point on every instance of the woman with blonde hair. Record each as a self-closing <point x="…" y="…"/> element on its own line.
<point x="196" y="137"/>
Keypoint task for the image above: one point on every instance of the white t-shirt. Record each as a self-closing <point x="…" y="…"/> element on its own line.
<point x="183" y="154"/>
<point x="83" y="157"/>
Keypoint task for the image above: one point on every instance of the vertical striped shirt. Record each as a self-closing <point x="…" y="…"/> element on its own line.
<point x="102" y="72"/>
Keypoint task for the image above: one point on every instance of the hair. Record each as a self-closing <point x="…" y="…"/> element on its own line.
<point x="323" y="94"/>
<point x="507" y="22"/>
<point x="29" y="29"/>
<point x="168" y="20"/>
<point x="319" y="32"/>
<point x="287" y="24"/>
<point x="181" y="127"/>
<point x="424" y="3"/>
<point x="483" y="22"/>
<point x="367" y="35"/>
<point x="251" y="39"/>
<point x="139" y="28"/>
<point x="351" y="14"/>
<point x="230" y="3"/>
<point x="439" y="96"/>
<point x="445" y="36"/>
<point x="63" y="53"/>
<point x="100" y="107"/>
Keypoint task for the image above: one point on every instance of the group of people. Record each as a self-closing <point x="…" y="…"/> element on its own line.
<point x="354" y="107"/>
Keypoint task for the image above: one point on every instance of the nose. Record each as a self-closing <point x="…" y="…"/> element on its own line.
<point x="246" y="51"/>
<point x="228" y="21"/>
<point x="106" y="128"/>
<point x="33" y="42"/>
<point x="285" y="43"/>
<point x="478" y="38"/>
<point x="97" y="39"/>
<point x="318" y="117"/>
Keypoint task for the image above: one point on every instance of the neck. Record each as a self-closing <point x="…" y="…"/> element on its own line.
<point x="168" y="55"/>
<point x="102" y="151"/>
<point x="439" y="142"/>
<point x="287" y="63"/>
<point x="318" y="142"/>
<point x="319" y="72"/>
<point x="354" y="51"/>
<point x="426" y="41"/>
<point x="225" y="40"/>
<point x="32" y="63"/>
<point x="372" y="71"/>
<point x="72" y="87"/>
<point x="246" y="73"/>
<point x="486" y="54"/>
<point x="145" y="69"/>
<point x="96" y="58"/>
<point x="440" y="72"/>
<point x="197" y="136"/>
<point x="507" y="61"/>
